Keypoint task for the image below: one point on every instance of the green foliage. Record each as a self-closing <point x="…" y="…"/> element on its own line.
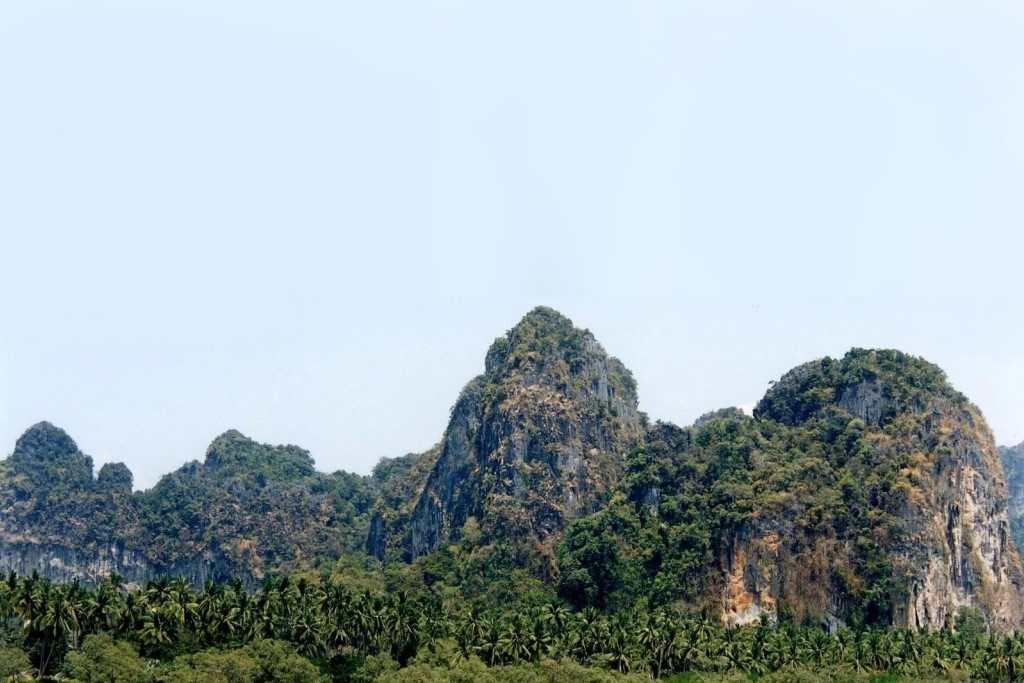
<point x="483" y="575"/>
<point x="473" y="670"/>
<point x="374" y="667"/>
<point x="593" y="571"/>
<point x="905" y="381"/>
<point x="263" y="661"/>
<point x="970" y="623"/>
<point x="252" y="503"/>
<point x="47" y="486"/>
<point x="233" y="453"/>
<point x="210" y="667"/>
<point x="105" y="660"/>
<point x="13" y="663"/>
<point x="296" y="630"/>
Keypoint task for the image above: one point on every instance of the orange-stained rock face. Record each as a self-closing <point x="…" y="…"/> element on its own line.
<point x="751" y="583"/>
<point x="960" y="552"/>
<point x="951" y="548"/>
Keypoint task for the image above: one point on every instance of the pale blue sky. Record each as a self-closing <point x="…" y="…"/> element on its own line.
<point x="308" y="220"/>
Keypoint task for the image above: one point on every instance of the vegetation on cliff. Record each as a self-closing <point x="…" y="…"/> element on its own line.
<point x="247" y="510"/>
<point x="534" y="442"/>
<point x="830" y="486"/>
<point x="260" y="507"/>
<point x="48" y="492"/>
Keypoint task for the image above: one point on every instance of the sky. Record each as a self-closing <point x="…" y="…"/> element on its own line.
<point x="308" y="220"/>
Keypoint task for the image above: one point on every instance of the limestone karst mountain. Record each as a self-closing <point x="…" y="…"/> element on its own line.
<point x="863" y="490"/>
<point x="948" y="538"/>
<point x="535" y="441"/>
<point x="247" y="510"/>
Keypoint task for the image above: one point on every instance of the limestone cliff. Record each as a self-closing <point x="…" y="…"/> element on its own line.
<point x="537" y="440"/>
<point x="948" y="536"/>
<point x="398" y="483"/>
<point x="1013" y="467"/>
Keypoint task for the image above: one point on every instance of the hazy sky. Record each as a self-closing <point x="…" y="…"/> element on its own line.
<point x="308" y="220"/>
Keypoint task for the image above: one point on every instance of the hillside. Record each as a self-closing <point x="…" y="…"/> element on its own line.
<point x="247" y="509"/>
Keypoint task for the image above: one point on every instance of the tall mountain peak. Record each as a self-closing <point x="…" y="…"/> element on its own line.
<point x="535" y="441"/>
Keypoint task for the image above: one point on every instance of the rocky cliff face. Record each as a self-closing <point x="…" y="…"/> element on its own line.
<point x="89" y="565"/>
<point x="1013" y="467"/>
<point x="537" y="440"/>
<point x="399" y="483"/>
<point x="943" y="515"/>
<point x="959" y="551"/>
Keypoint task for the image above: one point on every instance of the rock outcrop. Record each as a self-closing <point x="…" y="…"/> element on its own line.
<point x="1013" y="467"/>
<point x="535" y="441"/>
<point x="949" y="536"/>
<point x="398" y="483"/>
<point x="248" y="510"/>
<point x="48" y="494"/>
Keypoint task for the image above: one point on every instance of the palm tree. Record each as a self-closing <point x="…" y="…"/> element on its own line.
<point x="657" y="636"/>
<point x="686" y="650"/>
<point x="618" y="653"/>
<point x="489" y="645"/>
<point x="1002" y="659"/>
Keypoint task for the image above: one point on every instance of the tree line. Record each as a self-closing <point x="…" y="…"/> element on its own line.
<point x="320" y="631"/>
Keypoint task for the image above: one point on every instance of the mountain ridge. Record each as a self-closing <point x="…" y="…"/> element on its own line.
<point x="862" y="489"/>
